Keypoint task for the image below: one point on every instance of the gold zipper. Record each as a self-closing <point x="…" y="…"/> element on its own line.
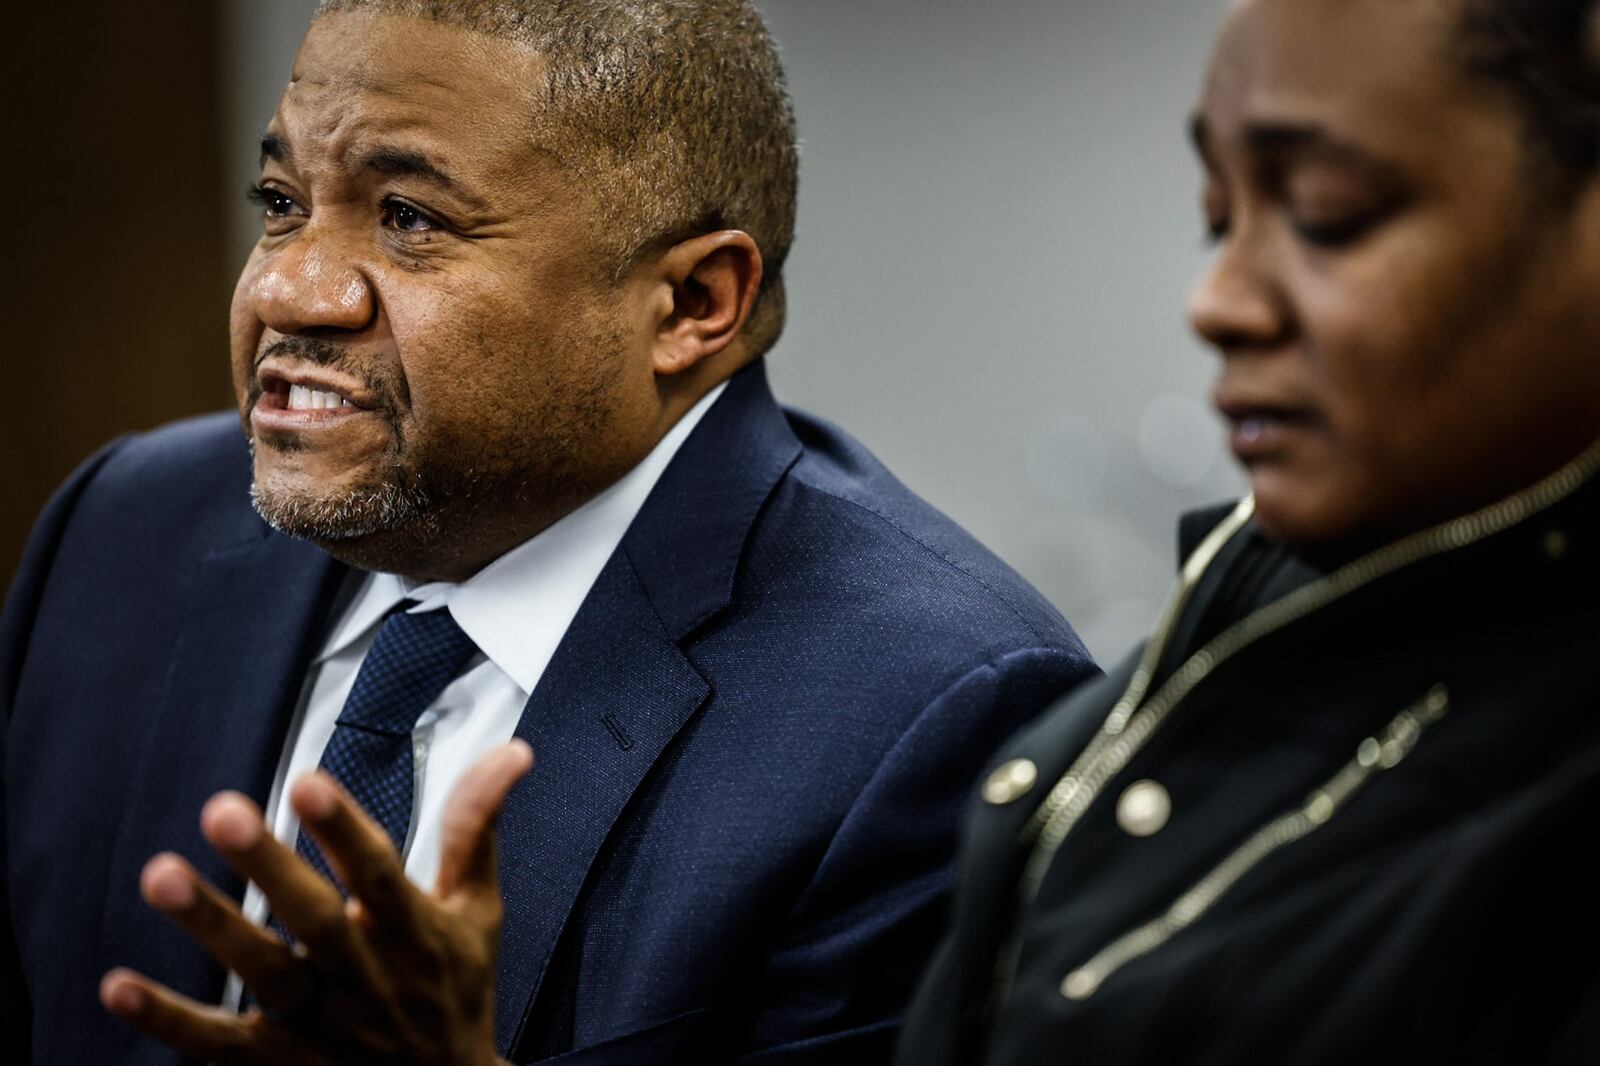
<point x="1132" y="721"/>
<point x="1373" y="756"/>
<point x="1110" y="749"/>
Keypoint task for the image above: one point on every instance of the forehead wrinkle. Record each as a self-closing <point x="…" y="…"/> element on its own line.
<point x="354" y="136"/>
<point x="395" y="70"/>
<point x="357" y="119"/>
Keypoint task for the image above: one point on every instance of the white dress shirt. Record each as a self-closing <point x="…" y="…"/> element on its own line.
<point x="516" y="610"/>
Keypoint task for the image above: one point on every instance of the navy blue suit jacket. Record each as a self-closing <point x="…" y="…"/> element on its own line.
<point x="751" y="745"/>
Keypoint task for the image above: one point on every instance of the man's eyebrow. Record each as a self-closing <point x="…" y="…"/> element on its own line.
<point x="406" y="163"/>
<point x="275" y="148"/>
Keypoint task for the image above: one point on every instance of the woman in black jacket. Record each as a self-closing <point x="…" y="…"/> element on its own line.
<point x="1344" y="806"/>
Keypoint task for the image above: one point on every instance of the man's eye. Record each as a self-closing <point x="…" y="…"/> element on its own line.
<point x="273" y="203"/>
<point x="406" y="218"/>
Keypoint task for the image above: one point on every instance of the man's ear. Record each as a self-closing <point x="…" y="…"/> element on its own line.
<point x="714" y="279"/>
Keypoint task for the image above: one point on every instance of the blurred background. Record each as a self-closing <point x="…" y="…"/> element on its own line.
<point x="998" y="224"/>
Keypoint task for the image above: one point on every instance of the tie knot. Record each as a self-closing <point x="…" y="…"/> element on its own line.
<point x="412" y="660"/>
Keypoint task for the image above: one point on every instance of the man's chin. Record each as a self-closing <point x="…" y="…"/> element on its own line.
<point x="355" y="514"/>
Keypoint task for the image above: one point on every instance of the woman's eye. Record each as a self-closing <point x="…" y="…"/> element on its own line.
<point x="1330" y="208"/>
<point x="1216" y="230"/>
<point x="402" y="216"/>
<point x="1336" y="232"/>
<point x="1214" y="210"/>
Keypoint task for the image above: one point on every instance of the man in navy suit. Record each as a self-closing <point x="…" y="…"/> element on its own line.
<point x="519" y="485"/>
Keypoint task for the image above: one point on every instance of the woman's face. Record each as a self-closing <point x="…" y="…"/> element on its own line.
<point x="1408" y="315"/>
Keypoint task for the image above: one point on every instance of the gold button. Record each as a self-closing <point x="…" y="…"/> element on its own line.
<point x="1010" y="782"/>
<point x="1556" y="544"/>
<point x="1144" y="808"/>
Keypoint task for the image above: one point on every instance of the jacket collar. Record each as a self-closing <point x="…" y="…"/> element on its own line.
<point x="620" y="686"/>
<point x="687" y="541"/>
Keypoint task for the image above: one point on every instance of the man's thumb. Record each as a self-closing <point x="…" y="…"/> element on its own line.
<point x="467" y="861"/>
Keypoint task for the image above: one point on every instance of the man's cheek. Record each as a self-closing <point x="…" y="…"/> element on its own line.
<point x="244" y="342"/>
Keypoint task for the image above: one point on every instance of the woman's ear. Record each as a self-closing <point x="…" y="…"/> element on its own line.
<point x="714" y="279"/>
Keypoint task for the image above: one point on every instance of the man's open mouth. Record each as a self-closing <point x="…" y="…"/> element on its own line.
<point x="285" y="397"/>
<point x="301" y="391"/>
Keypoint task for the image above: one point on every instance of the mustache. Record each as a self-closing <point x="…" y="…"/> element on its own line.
<point x="378" y="382"/>
<point x="313" y="350"/>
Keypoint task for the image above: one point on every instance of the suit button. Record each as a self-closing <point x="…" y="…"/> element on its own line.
<point x="1010" y="782"/>
<point x="1144" y="809"/>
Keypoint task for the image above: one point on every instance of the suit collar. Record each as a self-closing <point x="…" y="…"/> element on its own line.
<point x="620" y="686"/>
<point x="614" y="696"/>
<point x="687" y="541"/>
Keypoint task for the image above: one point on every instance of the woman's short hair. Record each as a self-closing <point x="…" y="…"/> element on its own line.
<point x="1546" y="55"/>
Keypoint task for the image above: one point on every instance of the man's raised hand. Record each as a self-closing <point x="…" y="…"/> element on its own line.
<point x="393" y="974"/>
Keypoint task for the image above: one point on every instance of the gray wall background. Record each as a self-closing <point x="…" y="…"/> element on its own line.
<point x="998" y="224"/>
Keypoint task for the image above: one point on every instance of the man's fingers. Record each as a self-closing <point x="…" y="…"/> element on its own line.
<point x="467" y="860"/>
<point x="267" y="965"/>
<point x="358" y="849"/>
<point x="210" y="1034"/>
<point x="307" y="903"/>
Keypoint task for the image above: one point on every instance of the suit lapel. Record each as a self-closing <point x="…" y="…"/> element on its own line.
<point x="612" y="698"/>
<point x="256" y="612"/>
<point x="620" y="686"/>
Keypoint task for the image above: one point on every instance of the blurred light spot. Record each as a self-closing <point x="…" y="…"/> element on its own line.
<point x="1177" y="439"/>
<point x="1066" y="461"/>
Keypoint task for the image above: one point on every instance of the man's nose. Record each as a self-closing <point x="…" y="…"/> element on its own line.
<point x="307" y="285"/>
<point x="1237" y="303"/>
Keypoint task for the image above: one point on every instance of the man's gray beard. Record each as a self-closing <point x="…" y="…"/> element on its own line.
<point x="358" y="513"/>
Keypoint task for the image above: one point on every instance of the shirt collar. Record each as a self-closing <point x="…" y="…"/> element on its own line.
<point x="517" y="609"/>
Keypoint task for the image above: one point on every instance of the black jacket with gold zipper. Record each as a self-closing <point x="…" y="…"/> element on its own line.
<point x="1323" y="817"/>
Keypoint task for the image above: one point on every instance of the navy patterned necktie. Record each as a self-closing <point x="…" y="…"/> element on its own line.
<point x="412" y="660"/>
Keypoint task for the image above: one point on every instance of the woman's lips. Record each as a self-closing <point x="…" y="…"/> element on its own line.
<point x="1263" y="423"/>
<point x="1261" y="433"/>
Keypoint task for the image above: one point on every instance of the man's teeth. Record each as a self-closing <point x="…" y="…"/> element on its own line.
<point x="302" y="398"/>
